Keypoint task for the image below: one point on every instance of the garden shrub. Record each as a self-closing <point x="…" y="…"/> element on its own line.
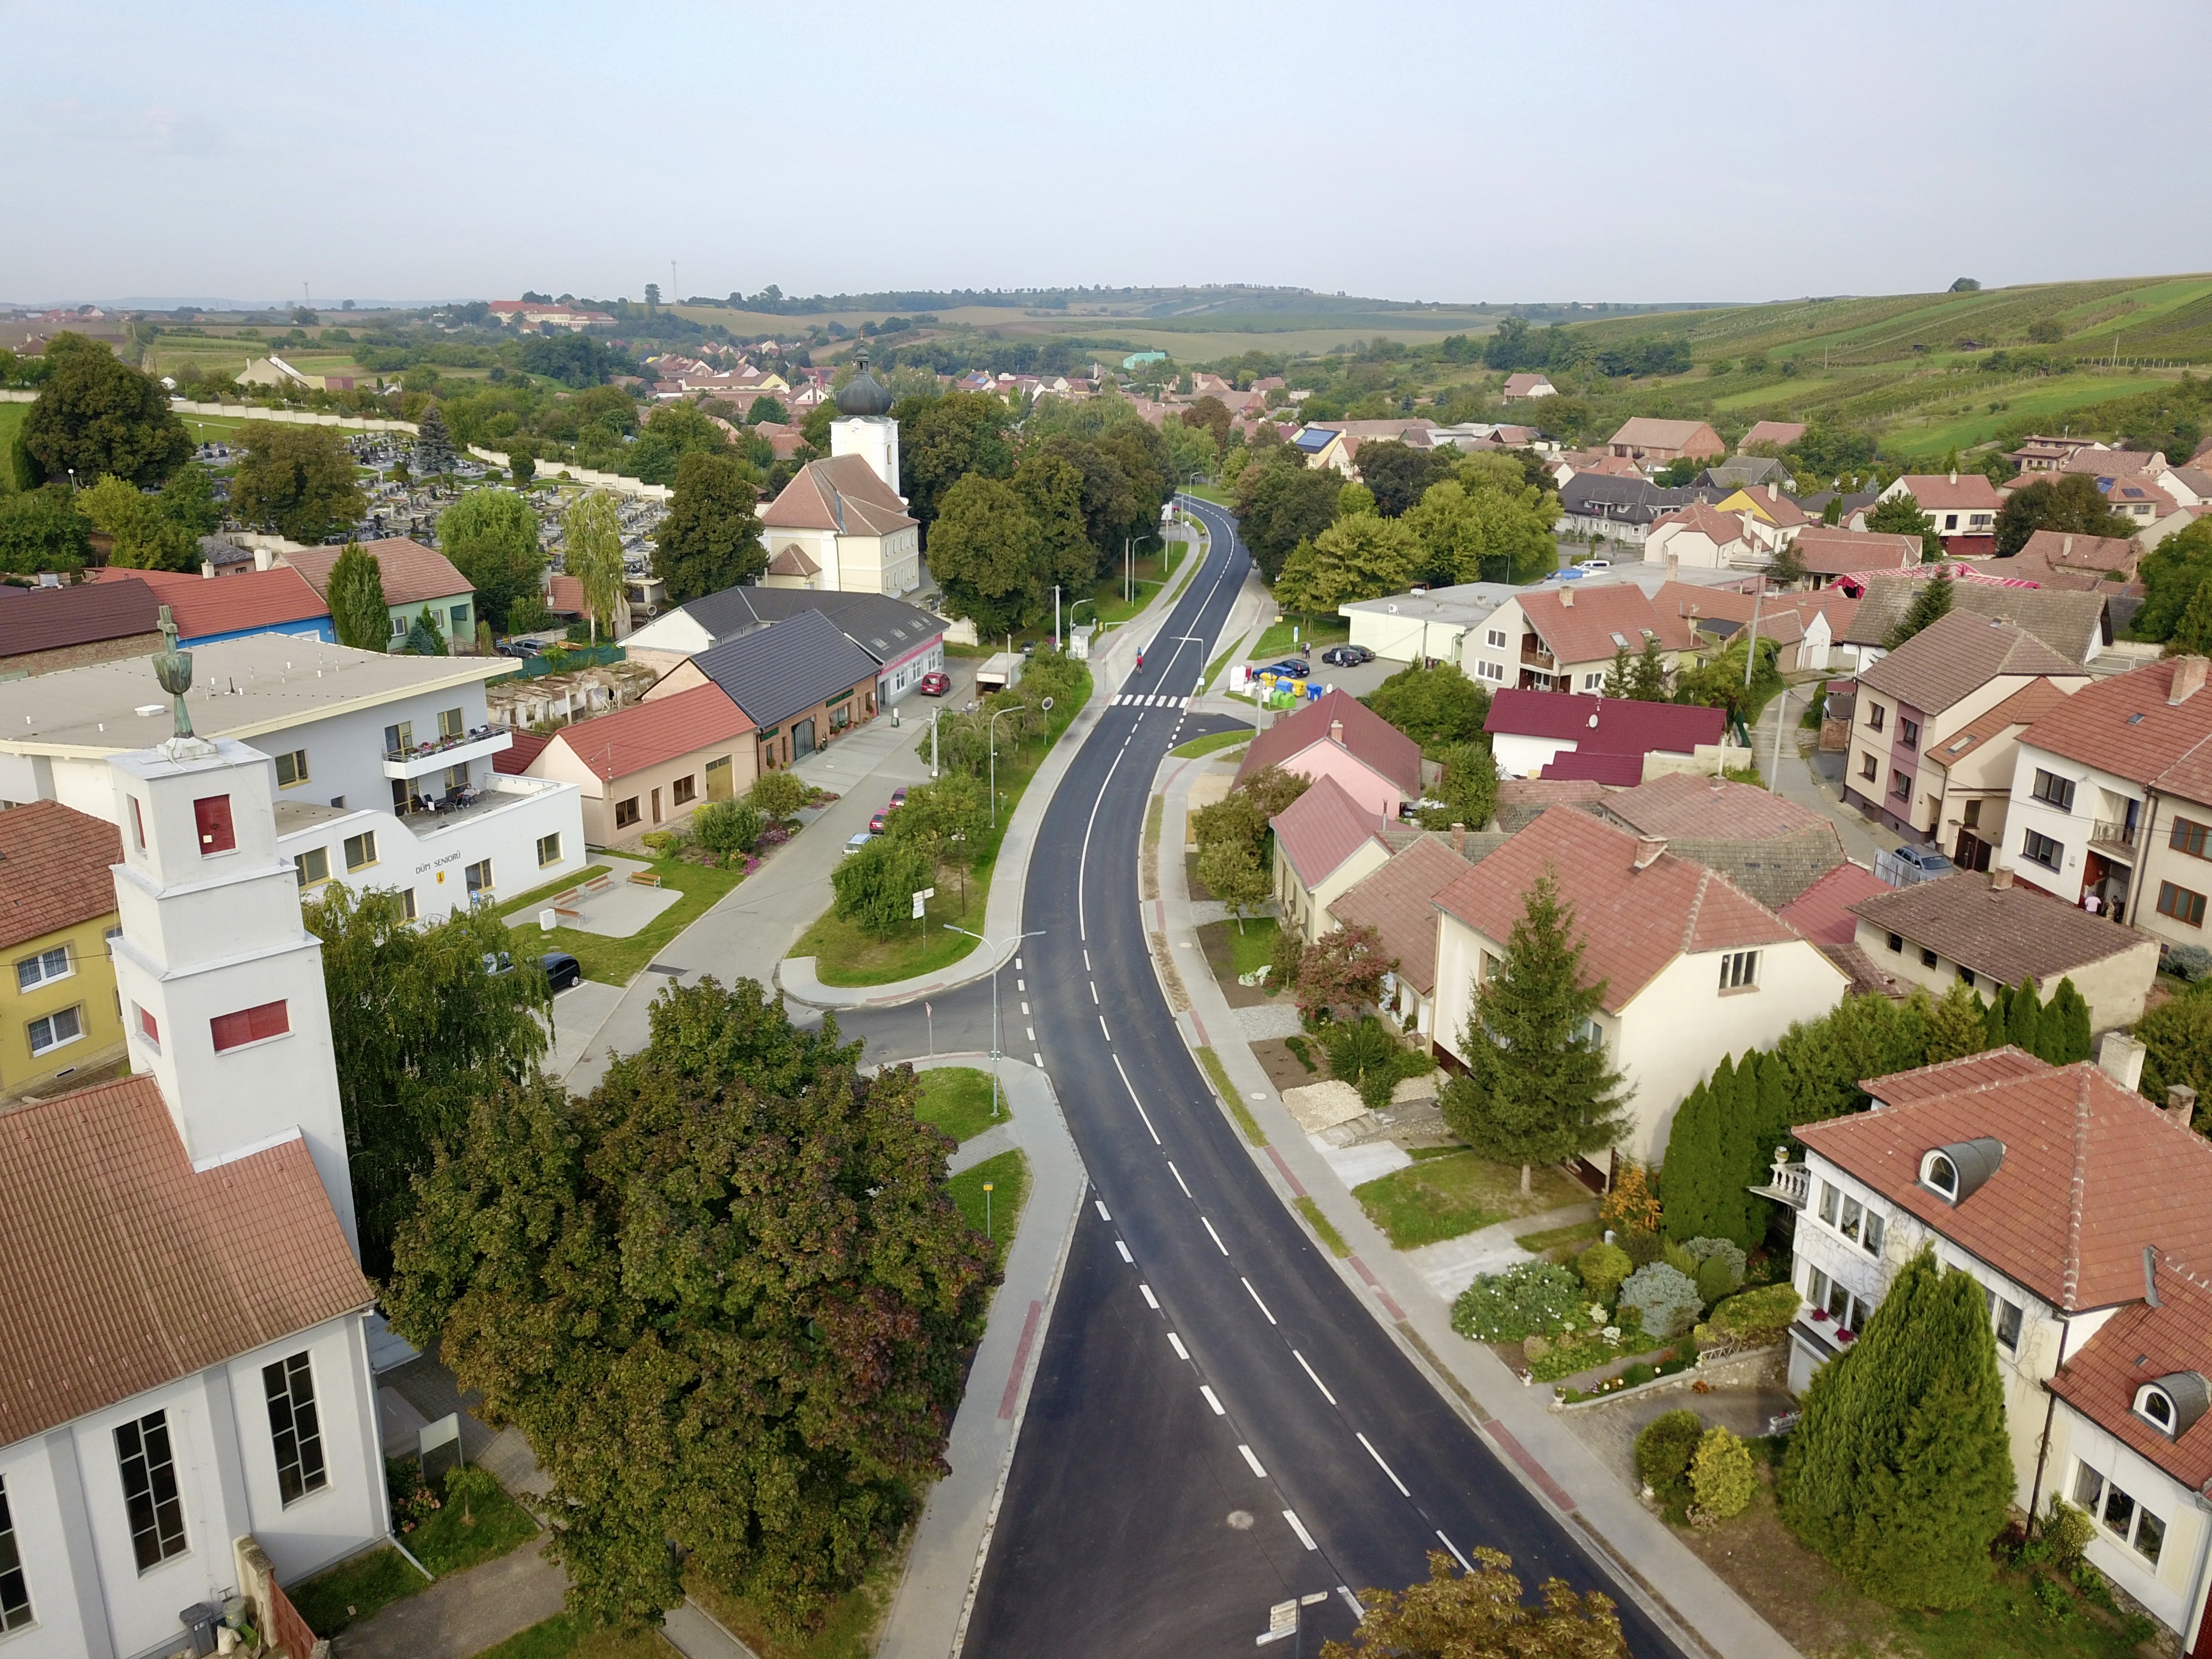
<point x="2189" y="962"/>
<point x="2067" y="1532"/>
<point x="1283" y="963"/>
<point x="1603" y="1267"/>
<point x="1756" y="1316"/>
<point x="1532" y="1298"/>
<point x="1641" y="1245"/>
<point x="1713" y="1280"/>
<point x="728" y="827"/>
<point x="1366" y="1054"/>
<point x="1721" y="1476"/>
<point x="1637" y="1374"/>
<point x="1665" y="1449"/>
<point x="1679" y="1258"/>
<point x="1665" y="1299"/>
<point x="1725" y="1250"/>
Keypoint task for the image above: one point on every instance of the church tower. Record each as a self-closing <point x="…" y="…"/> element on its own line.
<point x="864" y="428"/>
<point x="221" y="982"/>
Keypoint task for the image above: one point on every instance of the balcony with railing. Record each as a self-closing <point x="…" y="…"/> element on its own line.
<point x="427" y="817"/>
<point x="1787" y="1182"/>
<point x="2115" y="838"/>
<point x="1535" y="656"/>
<point x="417" y="760"/>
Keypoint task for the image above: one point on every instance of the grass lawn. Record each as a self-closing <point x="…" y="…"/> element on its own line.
<point x="1207" y="744"/>
<point x="1213" y="493"/>
<point x="1213" y="669"/>
<point x="1443" y="1197"/>
<point x="1218" y="1076"/>
<point x="11" y="422"/>
<point x="477" y="1524"/>
<point x="617" y="961"/>
<point x="1232" y="953"/>
<point x="957" y="1100"/>
<point x="1580" y="1234"/>
<point x="1009" y="1176"/>
<point x="847" y="1626"/>
<point x="562" y="1637"/>
<point x="1309" y="634"/>
<point x="526" y="907"/>
<point x="844" y="955"/>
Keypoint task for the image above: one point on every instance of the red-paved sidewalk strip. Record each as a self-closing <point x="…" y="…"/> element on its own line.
<point x="1372" y="1283"/>
<point x="1297" y="1191"/>
<point x="1021" y="1361"/>
<point x="1514" y="1449"/>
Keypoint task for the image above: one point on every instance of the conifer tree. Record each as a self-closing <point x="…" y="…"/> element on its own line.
<point x="1998" y="1017"/>
<point x="1619" y="676"/>
<point x="1649" y="683"/>
<point x="1685" y="1179"/>
<point x="2024" y="1018"/>
<point x="1735" y="1105"/>
<point x="434" y="444"/>
<point x="2064" y="1035"/>
<point x="1537" y="1088"/>
<point x="1900" y="1472"/>
<point x="358" y="614"/>
<point x="1957" y="1025"/>
<point x="1931" y="604"/>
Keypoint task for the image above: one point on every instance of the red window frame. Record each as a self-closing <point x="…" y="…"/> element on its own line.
<point x="211" y="817"/>
<point x="267" y="1019"/>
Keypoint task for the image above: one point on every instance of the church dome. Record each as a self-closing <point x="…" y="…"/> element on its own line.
<point x="863" y="395"/>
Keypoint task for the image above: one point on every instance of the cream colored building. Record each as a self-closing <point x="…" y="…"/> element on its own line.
<point x="840" y="524"/>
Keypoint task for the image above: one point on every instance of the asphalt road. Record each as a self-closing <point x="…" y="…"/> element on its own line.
<point x="1218" y="1424"/>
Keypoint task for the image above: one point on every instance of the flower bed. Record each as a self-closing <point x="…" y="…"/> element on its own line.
<point x="1673" y="1362"/>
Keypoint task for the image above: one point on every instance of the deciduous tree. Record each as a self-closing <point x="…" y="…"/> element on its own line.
<point x="1232" y="874"/>
<point x="985" y="552"/>
<point x="1342" y="969"/>
<point x="1537" y="1088"/>
<point x="726" y="1298"/>
<point x="875" y="887"/>
<point x="1281" y="504"/>
<point x="1482" y="523"/>
<point x="142" y="537"/>
<point x="1362" y="556"/>
<point x="590" y="543"/>
<point x="1437" y="706"/>
<point x="359" y="615"/>
<point x="188" y="501"/>
<point x="297" y="479"/>
<point x="95" y="415"/>
<point x="491" y="537"/>
<point x="1480" y="1616"/>
<point x="1901" y="515"/>
<point x="42" y="530"/>
<point x="711" y="538"/>
<point x="942" y="441"/>
<point x="2071" y="502"/>
<point x="2171" y="575"/>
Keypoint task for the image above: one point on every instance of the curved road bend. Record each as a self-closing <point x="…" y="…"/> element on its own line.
<point x="1218" y="1424"/>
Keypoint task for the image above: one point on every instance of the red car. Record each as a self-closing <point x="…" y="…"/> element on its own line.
<point x="898" y="798"/>
<point x="934" y="685"/>
<point x="876" y="823"/>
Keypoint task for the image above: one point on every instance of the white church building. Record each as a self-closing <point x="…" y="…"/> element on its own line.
<point x="841" y="525"/>
<point x="185" y="1392"/>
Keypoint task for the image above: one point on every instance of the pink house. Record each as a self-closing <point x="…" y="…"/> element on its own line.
<point x="1337" y="736"/>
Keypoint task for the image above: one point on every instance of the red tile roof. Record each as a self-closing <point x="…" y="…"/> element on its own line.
<point x="1722" y="529"/>
<point x="1582" y="624"/>
<point x="121" y="1269"/>
<point x="1398" y="903"/>
<point x="2024" y="707"/>
<point x="1606" y="726"/>
<point x="412" y="572"/>
<point x="2108" y="463"/>
<point x="1953" y="492"/>
<point x="54" y="869"/>
<point x="2009" y="934"/>
<point x="1634" y="922"/>
<point x="1686" y="807"/>
<point x="1649" y="431"/>
<point x="1574" y="766"/>
<point x="249" y="601"/>
<point x="50" y="618"/>
<point x="2140" y="1345"/>
<point x="1833" y="550"/>
<point x="1823" y="911"/>
<point x="1368" y="738"/>
<point x="1955" y="656"/>
<point x="1780" y="434"/>
<point x="649" y="733"/>
<point x="565" y="596"/>
<point x="1322" y="828"/>
<point x="514" y="760"/>
<point x="2064" y="551"/>
<point x="2126" y="726"/>
<point x="2092" y="1173"/>
<point x="843" y="494"/>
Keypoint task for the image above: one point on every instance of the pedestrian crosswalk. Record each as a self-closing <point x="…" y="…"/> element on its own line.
<point x="1139" y="700"/>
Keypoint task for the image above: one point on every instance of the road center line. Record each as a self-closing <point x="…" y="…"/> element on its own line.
<point x="1100" y="1203"/>
<point x="1175" y="1342"/>
<point x="1252" y="1462"/>
<point x="1102" y="1026"/>
<point x="1213" y="1235"/>
<point x="1454" y="1548"/>
<point x="1094" y="996"/>
<point x="1180" y="1182"/>
<point x="1220" y="1410"/>
<point x="1306" y="1538"/>
<point x="1381" y="1465"/>
<point x="1124" y="1250"/>
<point x="1255" y="1295"/>
<point x="1150" y="1301"/>
<point x="1134" y="1101"/>
<point x="1317" y="1382"/>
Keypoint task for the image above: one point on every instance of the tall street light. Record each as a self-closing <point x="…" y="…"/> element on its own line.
<point x="1010" y="947"/>
<point x="991" y="727"/>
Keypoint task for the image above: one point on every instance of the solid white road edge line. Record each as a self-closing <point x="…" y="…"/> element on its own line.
<point x="1381" y="1465"/>
<point x="1317" y="1382"/>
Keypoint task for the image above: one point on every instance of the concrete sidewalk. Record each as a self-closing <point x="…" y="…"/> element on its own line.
<point x="928" y="1616"/>
<point x="1544" y="1454"/>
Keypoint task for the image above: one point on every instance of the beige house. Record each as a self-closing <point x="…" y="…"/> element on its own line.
<point x="1691" y="968"/>
<point x="838" y="526"/>
<point x="1970" y="774"/>
<point x="1398" y="901"/>
<point x="1988" y="931"/>
<point x="1919" y="697"/>
<point x="1325" y="842"/>
<point x="1648" y="439"/>
<point x="648" y="766"/>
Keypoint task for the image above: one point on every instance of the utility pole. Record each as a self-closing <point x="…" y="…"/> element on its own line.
<point x="933" y="714"/>
<point x="1781" y="719"/>
<point x="1055" y="615"/>
<point x="1751" y="653"/>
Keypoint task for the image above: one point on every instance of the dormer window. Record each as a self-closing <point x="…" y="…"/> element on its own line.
<point x="2172" y="1403"/>
<point x="1956" y="1172"/>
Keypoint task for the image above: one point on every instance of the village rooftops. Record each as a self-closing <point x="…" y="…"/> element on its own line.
<point x="2024" y="707"/>
<point x="1833" y="550"/>
<point x="1637" y="907"/>
<point x="2075" y="625"/>
<point x="1953" y="492"/>
<point x="55" y="869"/>
<point x="645" y="734"/>
<point x="2152" y="726"/>
<point x="1780" y="434"/>
<point x="1956" y="655"/>
<point x="250" y="602"/>
<point x="241" y="689"/>
<point x="1605" y="725"/>
<point x="1322" y="828"/>
<point x="841" y="494"/>
<point x="1399" y="900"/>
<point x="1685" y="805"/>
<point x="2003" y="931"/>
<point x="1581" y="623"/>
<point x="34" y="619"/>
<point x="779" y="672"/>
<point x="2091" y="1172"/>
<point x="412" y="572"/>
<point x="886" y="628"/>
<point x="1365" y="735"/>
<point x="122" y="1268"/>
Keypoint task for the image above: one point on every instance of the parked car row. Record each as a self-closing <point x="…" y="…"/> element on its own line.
<point x="877" y="824"/>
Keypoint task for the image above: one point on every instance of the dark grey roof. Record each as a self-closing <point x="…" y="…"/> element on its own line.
<point x="1628" y="501"/>
<point x="864" y="394"/>
<point x="772" y="673"/>
<point x="1776" y="869"/>
<point x="1744" y="471"/>
<point x="886" y="628"/>
<point x="2073" y="625"/>
<point x="1815" y="505"/>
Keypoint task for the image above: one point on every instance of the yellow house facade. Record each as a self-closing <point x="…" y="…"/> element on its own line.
<point x="60" y="1017"/>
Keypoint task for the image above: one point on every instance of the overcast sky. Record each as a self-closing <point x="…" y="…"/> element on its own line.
<point x="1463" y="151"/>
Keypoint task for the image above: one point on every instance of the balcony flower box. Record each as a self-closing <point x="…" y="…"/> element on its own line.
<point x="1820" y="1315"/>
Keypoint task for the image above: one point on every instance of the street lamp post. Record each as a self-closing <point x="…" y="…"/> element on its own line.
<point x="991" y="727"/>
<point x="985" y="944"/>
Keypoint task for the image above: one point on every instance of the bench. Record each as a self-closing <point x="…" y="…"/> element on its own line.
<point x="644" y="879"/>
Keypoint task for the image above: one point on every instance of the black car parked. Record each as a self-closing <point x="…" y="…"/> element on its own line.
<point x="562" y="969"/>
<point x="1347" y="656"/>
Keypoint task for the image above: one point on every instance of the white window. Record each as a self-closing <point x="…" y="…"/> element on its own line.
<point x="14" y="1590"/>
<point x="2006" y="1317"/>
<point x="1740" y="971"/>
<point x="1594" y="681"/>
<point x="37" y="971"/>
<point x="1831" y="1204"/>
<point x="1845" y="1311"/>
<point x="2120" y="1514"/>
<point x="1495" y="638"/>
<point x="1863" y="1226"/>
<point x="63" y="1025"/>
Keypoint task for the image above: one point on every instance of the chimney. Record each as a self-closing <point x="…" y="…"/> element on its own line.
<point x="1459" y="838"/>
<point x="207" y="570"/>
<point x="2066" y="548"/>
<point x="1954" y="474"/>
<point x="1773" y="492"/>
<point x="1648" y="849"/>
<point x="1336" y="733"/>
<point x="2188" y="680"/>
<point x="2120" y="1057"/>
<point x="2000" y="879"/>
<point x="1567" y="598"/>
<point x="1674" y="565"/>
<point x="2181" y="1104"/>
<point x="263" y="558"/>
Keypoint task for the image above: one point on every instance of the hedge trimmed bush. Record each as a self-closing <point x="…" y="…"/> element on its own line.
<point x="1642" y="1248"/>
<point x="1603" y="1267"/>
<point x="1533" y="1298"/>
<point x="1721" y="1476"/>
<point x="1665" y="1297"/>
<point x="1664" y="1451"/>
<point x="1726" y="1251"/>
<point x="1757" y="1316"/>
